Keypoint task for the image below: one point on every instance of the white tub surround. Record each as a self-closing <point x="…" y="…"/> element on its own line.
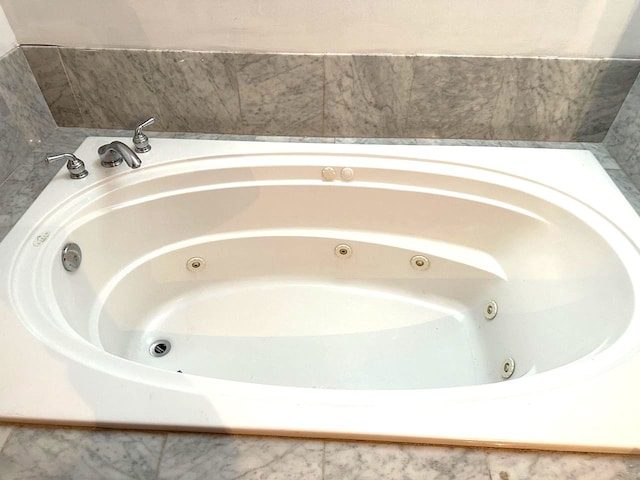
<point x="308" y="313"/>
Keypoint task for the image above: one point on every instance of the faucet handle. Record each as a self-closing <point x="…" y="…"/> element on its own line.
<point x="140" y="140"/>
<point x="75" y="166"/>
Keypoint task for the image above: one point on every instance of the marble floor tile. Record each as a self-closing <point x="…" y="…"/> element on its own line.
<point x="517" y="465"/>
<point x="369" y="461"/>
<point x="5" y="431"/>
<point x="227" y="457"/>
<point x="39" y="453"/>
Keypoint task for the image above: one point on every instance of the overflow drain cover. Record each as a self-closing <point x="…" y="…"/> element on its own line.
<point x="160" y="348"/>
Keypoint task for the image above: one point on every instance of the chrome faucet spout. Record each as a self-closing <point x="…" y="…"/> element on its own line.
<point x="112" y="154"/>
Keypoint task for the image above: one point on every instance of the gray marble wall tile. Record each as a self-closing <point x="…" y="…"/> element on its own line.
<point x="68" y="139"/>
<point x="367" y="96"/>
<point x="5" y="431"/>
<point x="610" y="88"/>
<point x="227" y="457"/>
<point x="517" y="465"/>
<point x="36" y="453"/>
<point x="371" y="461"/>
<point x="633" y="166"/>
<point x="543" y="99"/>
<point x="455" y="97"/>
<point x="25" y="120"/>
<point x="114" y="88"/>
<point x="196" y="91"/>
<point x="281" y="94"/>
<point x="26" y="182"/>
<point x="47" y="67"/>
<point x="24" y="99"/>
<point x="623" y="139"/>
<point x="332" y="95"/>
<point x="627" y="186"/>
<point x="15" y="146"/>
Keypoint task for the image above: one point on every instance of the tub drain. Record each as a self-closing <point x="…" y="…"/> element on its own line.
<point x="160" y="348"/>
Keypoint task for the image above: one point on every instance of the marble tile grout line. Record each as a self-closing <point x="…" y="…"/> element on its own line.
<point x="324" y="458"/>
<point x="5" y="441"/>
<point x="164" y="444"/>
<point x="73" y="93"/>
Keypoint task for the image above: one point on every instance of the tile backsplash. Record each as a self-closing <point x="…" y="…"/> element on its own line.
<point x="492" y="98"/>
<point x="623" y="138"/>
<point x="25" y="120"/>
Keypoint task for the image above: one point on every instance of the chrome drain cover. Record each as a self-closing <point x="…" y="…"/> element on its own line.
<point x="160" y="348"/>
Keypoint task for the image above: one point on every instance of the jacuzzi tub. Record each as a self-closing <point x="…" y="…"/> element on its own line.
<point x="437" y="294"/>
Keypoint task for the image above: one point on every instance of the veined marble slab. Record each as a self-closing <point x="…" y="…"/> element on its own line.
<point x="486" y="98"/>
<point x="25" y="120"/>
<point x="623" y="139"/>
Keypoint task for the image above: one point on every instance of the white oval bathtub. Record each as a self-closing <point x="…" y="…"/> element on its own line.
<point x="305" y="299"/>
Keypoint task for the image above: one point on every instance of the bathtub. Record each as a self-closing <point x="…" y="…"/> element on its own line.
<point x="456" y="295"/>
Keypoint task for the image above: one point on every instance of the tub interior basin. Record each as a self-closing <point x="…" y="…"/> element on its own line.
<point x="272" y="299"/>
